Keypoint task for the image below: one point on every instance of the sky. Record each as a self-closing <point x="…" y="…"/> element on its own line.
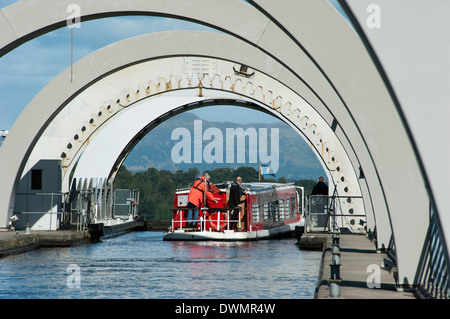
<point x="27" y="69"/>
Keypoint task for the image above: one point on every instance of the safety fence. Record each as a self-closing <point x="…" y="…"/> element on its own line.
<point x="433" y="271"/>
<point x="99" y="203"/>
<point x="219" y="219"/>
<point x="89" y="201"/>
<point x="325" y="213"/>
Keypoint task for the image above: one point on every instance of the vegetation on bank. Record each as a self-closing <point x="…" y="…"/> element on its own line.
<point x="157" y="187"/>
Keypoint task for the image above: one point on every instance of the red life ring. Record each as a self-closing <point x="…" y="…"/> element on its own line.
<point x="212" y="220"/>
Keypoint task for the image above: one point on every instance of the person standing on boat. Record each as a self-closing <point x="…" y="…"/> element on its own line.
<point x="235" y="198"/>
<point x="320" y="188"/>
<point x="197" y="198"/>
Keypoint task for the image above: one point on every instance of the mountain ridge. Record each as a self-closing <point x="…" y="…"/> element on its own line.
<point x="296" y="158"/>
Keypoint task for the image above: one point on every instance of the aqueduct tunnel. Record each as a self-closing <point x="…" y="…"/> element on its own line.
<point x="349" y="88"/>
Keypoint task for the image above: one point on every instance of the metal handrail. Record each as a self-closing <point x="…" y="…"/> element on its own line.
<point x="207" y="208"/>
<point x="334" y="206"/>
<point x="203" y="220"/>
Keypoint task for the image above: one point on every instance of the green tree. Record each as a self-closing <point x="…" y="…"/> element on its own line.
<point x="220" y="175"/>
<point x="124" y="179"/>
<point x="282" y="180"/>
<point x="248" y="174"/>
<point x="308" y="184"/>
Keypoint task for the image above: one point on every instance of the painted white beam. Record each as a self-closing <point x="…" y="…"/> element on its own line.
<point x="253" y="26"/>
<point x="410" y="40"/>
<point x="358" y="100"/>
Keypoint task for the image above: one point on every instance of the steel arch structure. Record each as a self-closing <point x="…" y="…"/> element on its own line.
<point x="346" y="88"/>
<point x="262" y="33"/>
<point x="90" y="111"/>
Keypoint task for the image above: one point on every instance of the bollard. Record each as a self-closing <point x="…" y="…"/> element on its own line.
<point x="335" y="271"/>
<point x="334" y="248"/>
<point x="27" y="229"/>
<point x="336" y="258"/>
<point x="335" y="238"/>
<point x="334" y="283"/>
<point x="335" y="287"/>
<point x="335" y="274"/>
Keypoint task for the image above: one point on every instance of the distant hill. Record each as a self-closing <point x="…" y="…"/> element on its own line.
<point x="296" y="159"/>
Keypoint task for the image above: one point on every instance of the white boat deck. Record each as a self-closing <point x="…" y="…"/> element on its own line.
<point x="230" y="235"/>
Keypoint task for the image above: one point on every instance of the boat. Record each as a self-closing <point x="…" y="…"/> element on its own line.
<point x="270" y="210"/>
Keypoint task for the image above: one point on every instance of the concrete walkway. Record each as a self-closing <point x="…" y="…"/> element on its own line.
<point x="357" y="254"/>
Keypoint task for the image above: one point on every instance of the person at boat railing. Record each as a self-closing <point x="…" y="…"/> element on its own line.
<point x="197" y="198"/>
<point x="235" y="201"/>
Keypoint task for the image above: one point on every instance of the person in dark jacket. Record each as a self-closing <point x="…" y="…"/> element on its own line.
<point x="320" y="188"/>
<point x="235" y="198"/>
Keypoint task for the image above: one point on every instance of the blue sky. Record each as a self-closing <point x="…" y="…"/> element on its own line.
<point x="27" y="69"/>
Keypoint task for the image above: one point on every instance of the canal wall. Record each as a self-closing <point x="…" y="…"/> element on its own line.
<point x="157" y="225"/>
<point x="14" y="242"/>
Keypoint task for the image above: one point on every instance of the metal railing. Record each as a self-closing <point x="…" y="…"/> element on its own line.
<point x="76" y="211"/>
<point x="326" y="213"/>
<point x="203" y="221"/>
<point x="76" y="208"/>
<point x="433" y="274"/>
<point x="93" y="202"/>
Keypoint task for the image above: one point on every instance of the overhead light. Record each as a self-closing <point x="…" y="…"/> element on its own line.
<point x="243" y="71"/>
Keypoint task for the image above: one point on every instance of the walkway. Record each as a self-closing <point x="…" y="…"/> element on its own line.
<point x="357" y="254"/>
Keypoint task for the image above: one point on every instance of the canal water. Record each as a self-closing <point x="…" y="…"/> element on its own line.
<point x="141" y="265"/>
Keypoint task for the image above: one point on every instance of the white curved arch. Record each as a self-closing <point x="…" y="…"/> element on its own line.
<point x="257" y="30"/>
<point x="354" y="100"/>
<point x="220" y="40"/>
<point x="112" y="96"/>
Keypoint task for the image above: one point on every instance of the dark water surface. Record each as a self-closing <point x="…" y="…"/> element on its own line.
<point x="141" y="265"/>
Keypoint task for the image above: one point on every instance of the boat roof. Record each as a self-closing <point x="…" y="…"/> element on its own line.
<point x="260" y="186"/>
<point x="254" y="186"/>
